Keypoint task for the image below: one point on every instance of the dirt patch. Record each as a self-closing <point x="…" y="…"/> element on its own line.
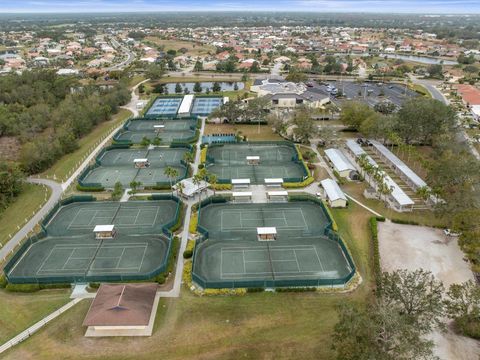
<point x="420" y="247"/>
<point x="9" y="148"/>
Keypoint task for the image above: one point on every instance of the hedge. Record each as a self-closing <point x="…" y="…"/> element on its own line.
<point x="3" y="281"/>
<point x="188" y="253"/>
<point x="296" y="289"/>
<point x="377" y="270"/>
<point x="26" y="288"/>
<point x="90" y="188"/>
<point x="181" y="216"/>
<point x="302" y="184"/>
<point x="405" y="222"/>
<point x="222" y="187"/>
<point x="192" y="228"/>
<point x="203" y="155"/>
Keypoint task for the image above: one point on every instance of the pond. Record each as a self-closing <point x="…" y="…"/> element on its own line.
<point x="421" y="59"/>
<point x="428" y="60"/>
<point x="225" y="86"/>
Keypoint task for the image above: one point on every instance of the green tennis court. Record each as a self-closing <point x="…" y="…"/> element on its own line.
<point x="170" y="125"/>
<point x="157" y="156"/>
<point x="233" y="256"/>
<point x="229" y="161"/>
<point x="71" y="251"/>
<point x="117" y="166"/>
<point x="136" y="137"/>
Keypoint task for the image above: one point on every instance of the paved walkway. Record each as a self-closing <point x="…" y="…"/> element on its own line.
<point x="30" y="225"/>
<point x="37" y="326"/>
<point x="58" y="189"/>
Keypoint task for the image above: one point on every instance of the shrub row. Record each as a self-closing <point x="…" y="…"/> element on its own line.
<point x="27" y="288"/>
<point x="192" y="228"/>
<point x="376" y="254"/>
<point x="222" y="187"/>
<point x="203" y="155"/>
<point x="181" y="216"/>
<point x="188" y="253"/>
<point x="90" y="188"/>
<point x="302" y="184"/>
<point x="296" y="289"/>
<point x="405" y="222"/>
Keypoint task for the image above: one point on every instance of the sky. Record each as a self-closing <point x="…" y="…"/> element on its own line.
<point x="382" y="6"/>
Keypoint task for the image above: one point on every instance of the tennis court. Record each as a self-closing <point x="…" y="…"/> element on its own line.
<point x="71" y="251"/>
<point x="157" y="156"/>
<point x="164" y="106"/>
<point x="107" y="176"/>
<point x="233" y="256"/>
<point x="170" y="125"/>
<point x="167" y="136"/>
<point x="117" y="165"/>
<point x="203" y="106"/>
<point x="228" y="161"/>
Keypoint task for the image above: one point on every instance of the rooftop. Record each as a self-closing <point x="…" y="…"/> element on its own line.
<point x="122" y="305"/>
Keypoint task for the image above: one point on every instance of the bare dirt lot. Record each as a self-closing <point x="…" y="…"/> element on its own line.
<point x="414" y="247"/>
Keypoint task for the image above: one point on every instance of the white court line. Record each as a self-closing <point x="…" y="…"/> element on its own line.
<point x="319" y="261"/>
<point x="143" y="257"/>
<point x="296" y="259"/>
<point x="68" y="259"/>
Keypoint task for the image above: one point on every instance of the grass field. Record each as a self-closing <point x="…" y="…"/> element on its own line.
<point x="31" y="198"/>
<point x="19" y="311"/>
<point x="250" y="131"/>
<point x="67" y="163"/>
<point x="193" y="48"/>
<point x="219" y="327"/>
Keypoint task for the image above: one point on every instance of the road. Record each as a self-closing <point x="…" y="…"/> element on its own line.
<point x="58" y="189"/>
<point x="462" y="136"/>
<point x="130" y="56"/>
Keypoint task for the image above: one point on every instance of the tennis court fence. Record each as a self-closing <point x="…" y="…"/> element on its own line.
<point x="42" y="234"/>
<point x="267" y="283"/>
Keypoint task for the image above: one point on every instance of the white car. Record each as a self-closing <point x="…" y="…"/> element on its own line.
<point x="449" y="232"/>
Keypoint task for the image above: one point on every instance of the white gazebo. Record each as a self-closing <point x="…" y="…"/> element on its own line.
<point x="266" y="233"/>
<point x="104" y="232"/>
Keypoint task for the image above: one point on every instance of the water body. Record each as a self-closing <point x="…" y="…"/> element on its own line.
<point x="226" y="86"/>
<point x="421" y="59"/>
<point x="427" y="60"/>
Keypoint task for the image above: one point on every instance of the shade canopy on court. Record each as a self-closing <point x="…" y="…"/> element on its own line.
<point x="296" y="253"/>
<point x="275" y="160"/>
<point x="69" y="251"/>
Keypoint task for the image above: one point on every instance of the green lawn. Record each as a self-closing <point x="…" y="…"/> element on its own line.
<point x="252" y="132"/>
<point x="19" y="311"/>
<point x="68" y="163"/>
<point x="254" y="326"/>
<point x="31" y="198"/>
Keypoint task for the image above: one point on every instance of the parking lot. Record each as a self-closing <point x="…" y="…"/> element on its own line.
<point x="368" y="92"/>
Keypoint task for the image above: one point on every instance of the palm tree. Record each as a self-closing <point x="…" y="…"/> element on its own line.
<point x="171" y="174"/>
<point x="212" y="179"/>
<point x="180" y="186"/>
<point x="188" y="157"/>
<point x="196" y="179"/>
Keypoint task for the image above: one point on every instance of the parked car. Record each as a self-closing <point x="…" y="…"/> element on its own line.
<point x="449" y="232"/>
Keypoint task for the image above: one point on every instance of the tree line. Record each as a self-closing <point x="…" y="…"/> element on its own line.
<point x="453" y="173"/>
<point x="47" y="114"/>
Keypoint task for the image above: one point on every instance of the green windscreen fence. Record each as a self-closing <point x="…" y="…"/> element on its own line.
<point x="276" y="160"/>
<point x="117" y="165"/>
<point x="306" y="252"/>
<point x="68" y="251"/>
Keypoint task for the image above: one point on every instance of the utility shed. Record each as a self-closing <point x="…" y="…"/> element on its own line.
<point x="335" y="196"/>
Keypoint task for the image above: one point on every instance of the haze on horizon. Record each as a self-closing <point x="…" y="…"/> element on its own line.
<point x="345" y="6"/>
